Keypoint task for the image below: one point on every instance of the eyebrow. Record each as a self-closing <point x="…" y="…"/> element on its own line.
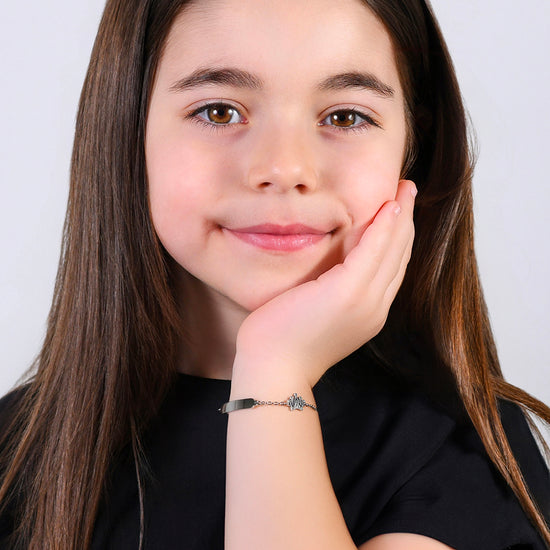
<point x="237" y="78"/>
<point x="358" y="81"/>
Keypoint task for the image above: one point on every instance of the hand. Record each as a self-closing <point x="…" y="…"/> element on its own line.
<point x="309" y="328"/>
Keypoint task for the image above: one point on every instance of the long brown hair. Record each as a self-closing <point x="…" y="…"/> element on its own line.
<point x="108" y="356"/>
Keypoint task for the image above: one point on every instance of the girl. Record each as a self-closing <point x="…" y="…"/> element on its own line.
<point x="240" y="221"/>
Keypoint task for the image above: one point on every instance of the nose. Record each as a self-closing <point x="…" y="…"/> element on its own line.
<point x="282" y="159"/>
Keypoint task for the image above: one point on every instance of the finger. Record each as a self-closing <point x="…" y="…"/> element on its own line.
<point x="400" y="243"/>
<point x="379" y="248"/>
<point x="363" y="262"/>
<point x="406" y="194"/>
<point x="393" y="287"/>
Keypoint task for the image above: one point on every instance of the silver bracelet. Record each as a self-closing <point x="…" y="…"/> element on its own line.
<point x="295" y="403"/>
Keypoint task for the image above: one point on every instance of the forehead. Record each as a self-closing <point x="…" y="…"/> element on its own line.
<point x="279" y="40"/>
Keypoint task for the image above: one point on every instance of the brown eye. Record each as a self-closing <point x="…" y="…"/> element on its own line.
<point x="349" y="120"/>
<point x="217" y="114"/>
<point x="220" y="114"/>
<point x="343" y="119"/>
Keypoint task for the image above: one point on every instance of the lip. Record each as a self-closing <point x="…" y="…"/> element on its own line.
<point x="284" y="238"/>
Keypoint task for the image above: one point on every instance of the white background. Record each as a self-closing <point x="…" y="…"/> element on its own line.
<point x="501" y="56"/>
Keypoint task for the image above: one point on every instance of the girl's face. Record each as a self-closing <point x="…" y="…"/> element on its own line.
<point x="276" y="131"/>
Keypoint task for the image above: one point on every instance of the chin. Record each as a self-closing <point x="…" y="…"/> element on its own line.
<point x="252" y="298"/>
<point x="252" y="303"/>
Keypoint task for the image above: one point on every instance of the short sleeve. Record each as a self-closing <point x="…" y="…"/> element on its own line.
<point x="459" y="498"/>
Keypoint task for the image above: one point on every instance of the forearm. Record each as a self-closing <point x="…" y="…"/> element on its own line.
<point x="279" y="493"/>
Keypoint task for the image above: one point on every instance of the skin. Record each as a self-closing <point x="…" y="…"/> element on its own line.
<point x="279" y="167"/>
<point x="279" y="157"/>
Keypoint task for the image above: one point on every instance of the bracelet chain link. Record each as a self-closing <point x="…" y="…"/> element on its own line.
<point x="294" y="402"/>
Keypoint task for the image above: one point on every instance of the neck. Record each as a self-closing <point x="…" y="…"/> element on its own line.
<point x="212" y="322"/>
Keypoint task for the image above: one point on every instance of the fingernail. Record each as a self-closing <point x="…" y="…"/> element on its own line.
<point x="414" y="190"/>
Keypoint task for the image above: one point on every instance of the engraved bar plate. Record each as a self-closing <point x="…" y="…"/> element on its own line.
<point x="237" y="404"/>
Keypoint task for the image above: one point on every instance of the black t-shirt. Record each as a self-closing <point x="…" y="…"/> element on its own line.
<point x="398" y="463"/>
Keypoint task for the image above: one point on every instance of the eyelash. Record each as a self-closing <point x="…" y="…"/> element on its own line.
<point x="194" y="116"/>
<point x="367" y="120"/>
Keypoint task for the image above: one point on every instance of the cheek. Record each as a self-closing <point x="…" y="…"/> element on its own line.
<point x="177" y="187"/>
<point x="369" y="180"/>
<point x="185" y="173"/>
<point x="180" y="176"/>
